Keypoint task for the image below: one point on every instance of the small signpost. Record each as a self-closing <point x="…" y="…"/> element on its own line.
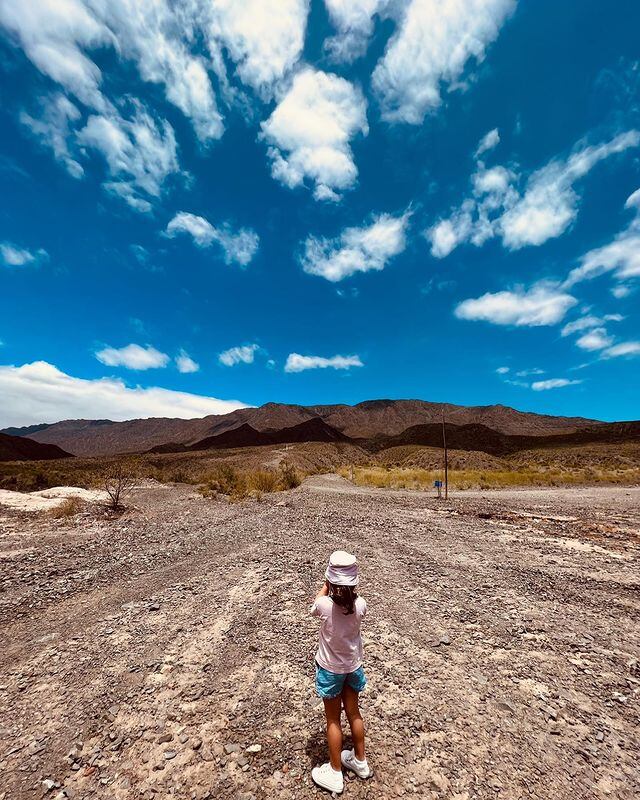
<point x="438" y="485"/>
<point x="446" y="460"/>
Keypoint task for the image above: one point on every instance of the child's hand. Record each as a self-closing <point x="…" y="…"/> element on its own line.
<point x="325" y="589"/>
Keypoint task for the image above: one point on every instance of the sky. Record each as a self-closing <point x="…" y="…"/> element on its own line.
<point x="212" y="204"/>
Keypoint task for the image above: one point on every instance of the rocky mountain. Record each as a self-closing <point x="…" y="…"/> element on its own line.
<point x="21" y="448"/>
<point x="369" y="419"/>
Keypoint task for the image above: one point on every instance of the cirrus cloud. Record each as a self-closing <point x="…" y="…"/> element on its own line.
<point x="299" y="363"/>
<point x="553" y="383"/>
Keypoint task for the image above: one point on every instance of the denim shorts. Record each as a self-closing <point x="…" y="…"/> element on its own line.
<point x="331" y="684"/>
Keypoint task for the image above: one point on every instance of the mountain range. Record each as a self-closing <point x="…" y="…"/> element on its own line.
<point x="373" y="423"/>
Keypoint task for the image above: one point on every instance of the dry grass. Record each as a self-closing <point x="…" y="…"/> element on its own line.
<point x="422" y="479"/>
<point x="240" y="484"/>
<point x="69" y="507"/>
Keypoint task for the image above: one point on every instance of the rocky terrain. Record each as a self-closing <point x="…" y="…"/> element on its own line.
<point x="167" y="653"/>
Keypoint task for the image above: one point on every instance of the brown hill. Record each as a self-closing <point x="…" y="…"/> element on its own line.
<point x="21" y="448"/>
<point x="487" y="440"/>
<point x="312" y="430"/>
<point x="364" y="420"/>
<point x="390" y="417"/>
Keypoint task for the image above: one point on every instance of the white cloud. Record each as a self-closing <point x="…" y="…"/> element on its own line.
<point x="433" y="44"/>
<point x="53" y="35"/>
<point x="244" y="354"/>
<point x="621" y="257"/>
<point x="620" y="291"/>
<point x="140" y="153"/>
<point x="133" y="356"/>
<point x="353" y="20"/>
<point x="263" y="37"/>
<point x="588" y="322"/>
<point x="39" y="392"/>
<point x="447" y="234"/>
<point x="502" y="370"/>
<point x="596" y="339"/>
<point x="309" y="133"/>
<point x="550" y="203"/>
<point x="488" y="142"/>
<point x="14" y="256"/>
<point x="356" y="249"/>
<point x="297" y="363"/>
<point x="543" y="210"/>
<point x="552" y="383"/>
<point x="622" y="349"/>
<point x="185" y="363"/>
<point x="154" y="34"/>
<point x="54" y="129"/>
<point x="238" y="246"/>
<point x="525" y="373"/>
<point x="542" y="304"/>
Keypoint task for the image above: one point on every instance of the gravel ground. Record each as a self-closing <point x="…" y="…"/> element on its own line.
<point x="168" y="653"/>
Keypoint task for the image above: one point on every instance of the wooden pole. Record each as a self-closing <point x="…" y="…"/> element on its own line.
<point x="446" y="460"/>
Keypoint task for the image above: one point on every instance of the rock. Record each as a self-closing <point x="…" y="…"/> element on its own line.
<point x="253" y="748"/>
<point x="49" y="784"/>
<point x="196" y="743"/>
<point x="600" y="736"/>
<point x="165" y="737"/>
<point x="232" y="748"/>
<point x="169" y="754"/>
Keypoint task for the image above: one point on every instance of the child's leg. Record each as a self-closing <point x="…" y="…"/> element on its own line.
<point x="356" y="723"/>
<point x="332" y="710"/>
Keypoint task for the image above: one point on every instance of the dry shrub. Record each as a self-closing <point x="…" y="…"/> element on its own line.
<point x="237" y="485"/>
<point x="225" y="479"/>
<point x="119" y="480"/>
<point x="263" y="480"/>
<point x="69" y="507"/>
<point x="289" y="476"/>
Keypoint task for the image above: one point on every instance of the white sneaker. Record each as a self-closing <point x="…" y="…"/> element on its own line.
<point x="327" y="778"/>
<point x="361" y="768"/>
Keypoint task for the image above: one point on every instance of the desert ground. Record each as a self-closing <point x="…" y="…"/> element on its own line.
<point x="168" y="652"/>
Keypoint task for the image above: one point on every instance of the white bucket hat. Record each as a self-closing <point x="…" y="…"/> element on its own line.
<point x="342" y="569"/>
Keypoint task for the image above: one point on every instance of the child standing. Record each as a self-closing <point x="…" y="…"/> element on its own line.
<point x="339" y="673"/>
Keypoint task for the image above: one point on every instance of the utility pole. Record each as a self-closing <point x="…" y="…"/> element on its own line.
<point x="446" y="460"/>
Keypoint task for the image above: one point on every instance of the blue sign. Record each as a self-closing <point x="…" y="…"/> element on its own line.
<point x="438" y="484"/>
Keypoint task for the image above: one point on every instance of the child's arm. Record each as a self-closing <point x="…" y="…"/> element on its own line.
<point x="324" y="591"/>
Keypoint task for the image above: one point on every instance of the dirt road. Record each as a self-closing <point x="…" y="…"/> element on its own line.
<point x="141" y="657"/>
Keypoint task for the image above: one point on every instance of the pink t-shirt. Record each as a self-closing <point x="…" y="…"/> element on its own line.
<point x="340" y="646"/>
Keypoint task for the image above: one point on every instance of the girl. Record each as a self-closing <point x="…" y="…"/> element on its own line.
<point x="339" y="673"/>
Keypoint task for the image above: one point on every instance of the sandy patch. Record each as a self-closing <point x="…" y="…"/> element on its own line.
<point x="47" y="499"/>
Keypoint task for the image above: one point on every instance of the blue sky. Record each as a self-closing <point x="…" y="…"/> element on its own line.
<point x="214" y="204"/>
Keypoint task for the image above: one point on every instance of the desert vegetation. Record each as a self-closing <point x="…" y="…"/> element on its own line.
<point x="239" y="484"/>
<point x="383" y="477"/>
<point x="254" y="471"/>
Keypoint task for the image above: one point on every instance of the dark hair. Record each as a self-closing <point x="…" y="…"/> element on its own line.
<point x="343" y="596"/>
